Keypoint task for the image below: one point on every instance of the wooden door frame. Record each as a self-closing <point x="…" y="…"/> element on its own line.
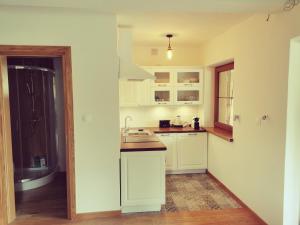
<point x="43" y="51"/>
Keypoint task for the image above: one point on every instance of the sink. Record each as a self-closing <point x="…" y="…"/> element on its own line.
<point x="139" y="136"/>
<point x="138" y="132"/>
<point x="141" y="139"/>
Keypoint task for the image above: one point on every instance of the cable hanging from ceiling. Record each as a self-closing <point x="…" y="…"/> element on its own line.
<point x="287" y="6"/>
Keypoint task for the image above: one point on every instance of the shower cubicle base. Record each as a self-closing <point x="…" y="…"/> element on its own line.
<point x="28" y="184"/>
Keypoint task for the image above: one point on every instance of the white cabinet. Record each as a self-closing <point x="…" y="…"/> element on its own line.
<point x="143" y="93"/>
<point x="142" y="181"/>
<point x="163" y="77"/>
<point x="162" y="96"/>
<point x="134" y="93"/>
<point x="186" y="152"/>
<point x="172" y="86"/>
<point x="169" y="141"/>
<point x="188" y="77"/>
<point x="128" y="93"/>
<point x="192" y="151"/>
<point x="188" y="96"/>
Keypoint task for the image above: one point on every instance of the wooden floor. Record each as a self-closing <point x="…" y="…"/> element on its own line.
<point x="239" y="216"/>
<point x="51" y="211"/>
<point x="47" y="201"/>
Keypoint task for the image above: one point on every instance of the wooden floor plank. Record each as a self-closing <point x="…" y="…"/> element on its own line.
<point x="238" y="216"/>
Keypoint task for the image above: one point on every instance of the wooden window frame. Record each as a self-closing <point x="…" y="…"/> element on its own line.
<point x="218" y="70"/>
<point x="7" y="207"/>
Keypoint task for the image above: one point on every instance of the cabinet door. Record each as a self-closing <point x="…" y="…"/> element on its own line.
<point x="192" y="151"/>
<point x="143" y="93"/>
<point x="142" y="178"/>
<point x="188" y="77"/>
<point x="134" y="93"/>
<point x="128" y="93"/>
<point x="188" y="96"/>
<point x="163" y="78"/>
<point x="161" y="96"/>
<point x="169" y="140"/>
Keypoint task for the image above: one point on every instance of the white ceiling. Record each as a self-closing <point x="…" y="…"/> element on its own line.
<point x="192" y="21"/>
<point x="190" y="29"/>
<point x="232" y="6"/>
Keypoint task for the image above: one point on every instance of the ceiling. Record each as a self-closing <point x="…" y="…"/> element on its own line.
<point x="118" y="6"/>
<point x="192" y="21"/>
<point x="189" y="29"/>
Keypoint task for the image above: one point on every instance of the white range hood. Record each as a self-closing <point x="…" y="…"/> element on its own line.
<point x="127" y="68"/>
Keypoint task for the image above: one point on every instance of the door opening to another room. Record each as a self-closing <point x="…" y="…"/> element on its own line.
<point x="36" y="122"/>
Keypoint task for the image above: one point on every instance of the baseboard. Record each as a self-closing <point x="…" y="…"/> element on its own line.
<point x="96" y="215"/>
<point x="140" y="209"/>
<point x="169" y="172"/>
<point x="239" y="201"/>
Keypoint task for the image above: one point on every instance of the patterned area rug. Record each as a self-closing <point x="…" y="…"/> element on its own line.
<point x="194" y="192"/>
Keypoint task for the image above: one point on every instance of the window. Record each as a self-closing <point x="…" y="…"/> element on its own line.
<point x="224" y="97"/>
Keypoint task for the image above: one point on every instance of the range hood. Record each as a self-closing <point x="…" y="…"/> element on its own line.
<point x="127" y="68"/>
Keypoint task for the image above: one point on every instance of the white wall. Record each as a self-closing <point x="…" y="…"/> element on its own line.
<point x="253" y="166"/>
<point x="292" y="166"/>
<point x="149" y="116"/>
<point x="182" y="56"/>
<point x="95" y="83"/>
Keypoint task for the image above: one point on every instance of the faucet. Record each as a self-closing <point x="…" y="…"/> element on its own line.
<point x="126" y="119"/>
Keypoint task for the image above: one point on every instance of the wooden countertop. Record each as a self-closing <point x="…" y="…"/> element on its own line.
<point x="224" y="134"/>
<point x="141" y="146"/>
<point x="158" y="130"/>
<point x="154" y="146"/>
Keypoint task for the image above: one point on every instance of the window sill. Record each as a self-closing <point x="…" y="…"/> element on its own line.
<point x="224" y="134"/>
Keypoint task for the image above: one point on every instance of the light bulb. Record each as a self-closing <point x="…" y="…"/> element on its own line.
<point x="169" y="54"/>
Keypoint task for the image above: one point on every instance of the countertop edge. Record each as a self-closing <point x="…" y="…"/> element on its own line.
<point x="225" y="135"/>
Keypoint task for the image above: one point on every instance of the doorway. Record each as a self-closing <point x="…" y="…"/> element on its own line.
<point x="292" y="154"/>
<point x="36" y="133"/>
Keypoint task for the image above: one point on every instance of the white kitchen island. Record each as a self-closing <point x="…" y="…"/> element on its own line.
<point x="142" y="177"/>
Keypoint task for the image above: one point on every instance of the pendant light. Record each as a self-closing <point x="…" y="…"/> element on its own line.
<point x="170" y="50"/>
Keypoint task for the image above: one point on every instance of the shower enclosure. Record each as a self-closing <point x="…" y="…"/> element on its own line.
<point x="32" y="109"/>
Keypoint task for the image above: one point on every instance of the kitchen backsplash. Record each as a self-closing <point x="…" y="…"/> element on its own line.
<point x="149" y="116"/>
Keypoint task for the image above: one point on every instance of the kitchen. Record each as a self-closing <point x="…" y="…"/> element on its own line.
<point x="251" y="169"/>
<point x="163" y="135"/>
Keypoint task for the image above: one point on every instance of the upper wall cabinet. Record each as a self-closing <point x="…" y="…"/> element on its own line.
<point x="188" y="78"/>
<point x="162" y="78"/>
<point x="171" y="86"/>
<point x="188" y="96"/>
<point x="134" y="93"/>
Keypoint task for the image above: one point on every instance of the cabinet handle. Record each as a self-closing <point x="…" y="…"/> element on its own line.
<point x="188" y="103"/>
<point x="165" y="135"/>
<point x="162" y="103"/>
<point x="188" y="84"/>
<point x="162" y="85"/>
<point x="192" y="134"/>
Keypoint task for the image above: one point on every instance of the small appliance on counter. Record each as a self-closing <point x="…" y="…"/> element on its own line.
<point x="164" y="123"/>
<point x="177" y="122"/>
<point x="196" y="123"/>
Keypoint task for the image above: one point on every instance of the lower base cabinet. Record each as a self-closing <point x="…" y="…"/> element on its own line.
<point x="142" y="181"/>
<point x="186" y="152"/>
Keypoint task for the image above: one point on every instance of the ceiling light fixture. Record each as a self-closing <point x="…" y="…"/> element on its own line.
<point x="170" y="50"/>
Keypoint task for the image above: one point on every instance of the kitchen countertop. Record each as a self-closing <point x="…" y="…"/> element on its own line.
<point x="159" y="130"/>
<point x="154" y="146"/>
<point x="141" y="146"/>
<point x="221" y="133"/>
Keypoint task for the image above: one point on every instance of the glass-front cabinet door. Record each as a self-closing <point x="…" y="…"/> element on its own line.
<point x="162" y="96"/>
<point x="162" y="78"/>
<point x="188" y="78"/>
<point x="188" y="96"/>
